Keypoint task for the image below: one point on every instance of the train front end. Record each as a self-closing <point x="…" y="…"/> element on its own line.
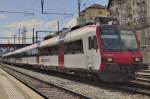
<point x="120" y="53"/>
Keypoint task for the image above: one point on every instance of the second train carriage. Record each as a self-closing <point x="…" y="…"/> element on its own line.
<point x="110" y="51"/>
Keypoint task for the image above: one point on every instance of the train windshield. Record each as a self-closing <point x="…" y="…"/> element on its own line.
<point x="111" y="40"/>
<point x="114" y="40"/>
<point x="128" y="40"/>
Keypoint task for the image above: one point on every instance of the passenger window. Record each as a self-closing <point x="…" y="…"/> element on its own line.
<point x="92" y="41"/>
<point x="74" y="47"/>
<point x="95" y="42"/>
<point x="53" y="50"/>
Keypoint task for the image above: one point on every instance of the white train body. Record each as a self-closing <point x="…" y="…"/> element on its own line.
<point x="84" y="49"/>
<point x="88" y="59"/>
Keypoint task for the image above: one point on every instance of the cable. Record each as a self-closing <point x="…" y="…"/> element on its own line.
<point x="55" y="13"/>
<point x="59" y="13"/>
<point x="16" y="12"/>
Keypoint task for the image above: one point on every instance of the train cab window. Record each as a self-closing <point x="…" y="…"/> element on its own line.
<point x="74" y="47"/>
<point x="92" y="41"/>
<point x="111" y="40"/>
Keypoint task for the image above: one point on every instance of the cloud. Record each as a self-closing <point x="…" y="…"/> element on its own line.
<point x="25" y="23"/>
<point x="10" y="34"/>
<point x="10" y="29"/>
<point x="6" y="33"/>
<point x="51" y="24"/>
<point x="33" y="23"/>
<point x="71" y="23"/>
<point x="2" y="16"/>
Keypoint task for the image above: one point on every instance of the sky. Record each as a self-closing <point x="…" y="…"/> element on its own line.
<point x="10" y="23"/>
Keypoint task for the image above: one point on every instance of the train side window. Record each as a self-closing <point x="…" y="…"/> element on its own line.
<point x="92" y="41"/>
<point x="42" y="52"/>
<point x="35" y="52"/>
<point x="29" y="53"/>
<point x="23" y="54"/>
<point x="53" y="50"/>
<point x="95" y="45"/>
<point x="73" y="47"/>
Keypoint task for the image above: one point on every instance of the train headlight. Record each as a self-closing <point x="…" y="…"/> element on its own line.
<point x="137" y="59"/>
<point x="109" y="59"/>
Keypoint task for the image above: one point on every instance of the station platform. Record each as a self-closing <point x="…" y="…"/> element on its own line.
<point x="11" y="88"/>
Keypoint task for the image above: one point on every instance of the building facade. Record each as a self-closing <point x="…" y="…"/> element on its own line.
<point x="134" y="13"/>
<point x="90" y="13"/>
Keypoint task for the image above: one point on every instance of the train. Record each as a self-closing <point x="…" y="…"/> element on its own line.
<point x="110" y="52"/>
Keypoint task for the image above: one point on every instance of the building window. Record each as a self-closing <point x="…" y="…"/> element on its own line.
<point x="100" y="12"/>
<point x="134" y="2"/>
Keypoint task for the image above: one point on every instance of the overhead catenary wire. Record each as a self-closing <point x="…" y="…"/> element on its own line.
<point x="16" y="12"/>
<point x="20" y="12"/>
<point x="55" y="13"/>
<point x="59" y="13"/>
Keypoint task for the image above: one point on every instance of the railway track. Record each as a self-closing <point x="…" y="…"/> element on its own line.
<point x="131" y="88"/>
<point x="140" y="83"/>
<point x="47" y="90"/>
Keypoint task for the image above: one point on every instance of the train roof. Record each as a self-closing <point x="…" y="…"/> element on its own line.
<point x="66" y="37"/>
<point x="69" y="36"/>
<point x="30" y="47"/>
<point x="33" y="46"/>
<point x="117" y="27"/>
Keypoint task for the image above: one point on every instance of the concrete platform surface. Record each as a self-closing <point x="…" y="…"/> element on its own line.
<point x="11" y="88"/>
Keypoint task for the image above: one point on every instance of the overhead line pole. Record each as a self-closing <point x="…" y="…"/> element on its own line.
<point x="58" y="26"/>
<point x="79" y="7"/>
<point x="42" y="6"/>
<point x="19" y="36"/>
<point x="33" y="38"/>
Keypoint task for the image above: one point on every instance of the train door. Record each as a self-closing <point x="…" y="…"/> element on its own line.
<point x="89" y="54"/>
<point x="95" y="53"/>
<point x="92" y="53"/>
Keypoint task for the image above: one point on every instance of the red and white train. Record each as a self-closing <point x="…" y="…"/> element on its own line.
<point x="109" y="51"/>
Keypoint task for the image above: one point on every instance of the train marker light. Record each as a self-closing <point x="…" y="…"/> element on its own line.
<point x="137" y="59"/>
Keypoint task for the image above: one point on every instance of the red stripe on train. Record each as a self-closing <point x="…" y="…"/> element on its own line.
<point x="61" y="56"/>
<point x="99" y="40"/>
